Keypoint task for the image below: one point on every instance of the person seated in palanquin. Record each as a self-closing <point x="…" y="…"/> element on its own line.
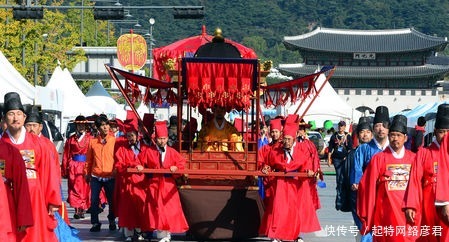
<point x="218" y="134"/>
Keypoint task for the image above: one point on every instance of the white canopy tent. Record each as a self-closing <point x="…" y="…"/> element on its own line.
<point x="12" y="81"/>
<point x="327" y="106"/>
<point x="98" y="96"/>
<point x="74" y="102"/>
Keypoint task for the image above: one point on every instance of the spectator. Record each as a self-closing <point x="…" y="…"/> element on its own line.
<point x="100" y="172"/>
<point x="340" y="144"/>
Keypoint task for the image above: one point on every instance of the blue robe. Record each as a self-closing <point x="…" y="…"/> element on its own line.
<point x="362" y="157"/>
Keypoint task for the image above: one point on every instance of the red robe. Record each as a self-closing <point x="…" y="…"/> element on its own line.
<point x="269" y="183"/>
<point x="44" y="185"/>
<point x="78" y="189"/>
<point x="420" y="194"/>
<point x="129" y="188"/>
<point x="13" y="173"/>
<point x="163" y="209"/>
<point x="55" y="156"/>
<point x="442" y="189"/>
<point x="314" y="162"/>
<point x="381" y="194"/>
<point x="293" y="208"/>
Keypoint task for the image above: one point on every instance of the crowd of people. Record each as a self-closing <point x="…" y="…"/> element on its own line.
<point x="393" y="193"/>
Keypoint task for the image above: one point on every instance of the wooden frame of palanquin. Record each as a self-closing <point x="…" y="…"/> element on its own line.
<point x="219" y="170"/>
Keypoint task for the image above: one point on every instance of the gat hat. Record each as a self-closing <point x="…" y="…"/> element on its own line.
<point x="12" y="102"/>
<point x="442" y="118"/>
<point x="342" y="123"/>
<point x="381" y="115"/>
<point x="160" y="128"/>
<point x="290" y="129"/>
<point x="304" y="125"/>
<point x="364" y="123"/>
<point x="276" y="124"/>
<point x="33" y="115"/>
<point x="399" y="124"/>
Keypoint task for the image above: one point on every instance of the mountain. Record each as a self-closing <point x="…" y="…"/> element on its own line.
<point x="262" y="24"/>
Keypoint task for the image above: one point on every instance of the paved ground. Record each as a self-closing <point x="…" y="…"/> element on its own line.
<point x="336" y="226"/>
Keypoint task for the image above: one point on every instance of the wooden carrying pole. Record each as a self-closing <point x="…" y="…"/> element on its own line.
<point x="221" y="172"/>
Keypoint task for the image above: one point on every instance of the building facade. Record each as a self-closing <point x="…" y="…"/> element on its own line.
<point x="397" y="68"/>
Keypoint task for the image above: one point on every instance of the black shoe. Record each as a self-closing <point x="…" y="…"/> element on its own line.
<point x="82" y="215"/>
<point x="95" y="228"/>
<point x="76" y="216"/>
<point x="112" y="226"/>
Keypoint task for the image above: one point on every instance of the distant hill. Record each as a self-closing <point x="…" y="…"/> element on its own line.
<point x="262" y="24"/>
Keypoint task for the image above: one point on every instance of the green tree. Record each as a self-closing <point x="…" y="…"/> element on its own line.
<point x="46" y="42"/>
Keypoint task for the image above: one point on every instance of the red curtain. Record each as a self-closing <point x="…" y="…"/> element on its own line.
<point x="226" y="84"/>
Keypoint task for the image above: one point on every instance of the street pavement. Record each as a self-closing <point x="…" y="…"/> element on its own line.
<point x="336" y="226"/>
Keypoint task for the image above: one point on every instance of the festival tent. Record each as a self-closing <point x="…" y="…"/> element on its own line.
<point x="327" y="106"/>
<point x="74" y="102"/>
<point x="98" y="96"/>
<point x="422" y="110"/>
<point x="12" y="81"/>
<point x="187" y="48"/>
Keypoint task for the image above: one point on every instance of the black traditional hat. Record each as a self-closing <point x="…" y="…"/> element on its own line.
<point x="80" y="119"/>
<point x="34" y="114"/>
<point x="12" y="102"/>
<point x="34" y="118"/>
<point x="442" y="118"/>
<point x="399" y="124"/>
<point x="381" y="115"/>
<point x="364" y="123"/>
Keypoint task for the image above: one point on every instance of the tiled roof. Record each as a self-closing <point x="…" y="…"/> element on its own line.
<point x="377" y="41"/>
<point x="368" y="72"/>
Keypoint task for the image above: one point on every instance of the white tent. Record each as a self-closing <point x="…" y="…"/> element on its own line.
<point x="12" y="81"/>
<point x="98" y="96"/>
<point x="421" y="110"/>
<point x="327" y="106"/>
<point x="74" y="101"/>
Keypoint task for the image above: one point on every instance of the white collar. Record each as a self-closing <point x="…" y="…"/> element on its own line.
<point x="387" y="143"/>
<point x="436" y="143"/>
<point x="21" y="136"/>
<point x="399" y="155"/>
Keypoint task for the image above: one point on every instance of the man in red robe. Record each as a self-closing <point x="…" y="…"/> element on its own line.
<point x="43" y="174"/>
<point x="420" y="196"/>
<point x="130" y="187"/>
<point x="163" y="207"/>
<point x="311" y="153"/>
<point x="73" y="162"/>
<point x="293" y="210"/>
<point x="269" y="182"/>
<point x="382" y="188"/>
<point x="18" y="215"/>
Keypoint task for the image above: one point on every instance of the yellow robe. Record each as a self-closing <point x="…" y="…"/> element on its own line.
<point x="212" y="138"/>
